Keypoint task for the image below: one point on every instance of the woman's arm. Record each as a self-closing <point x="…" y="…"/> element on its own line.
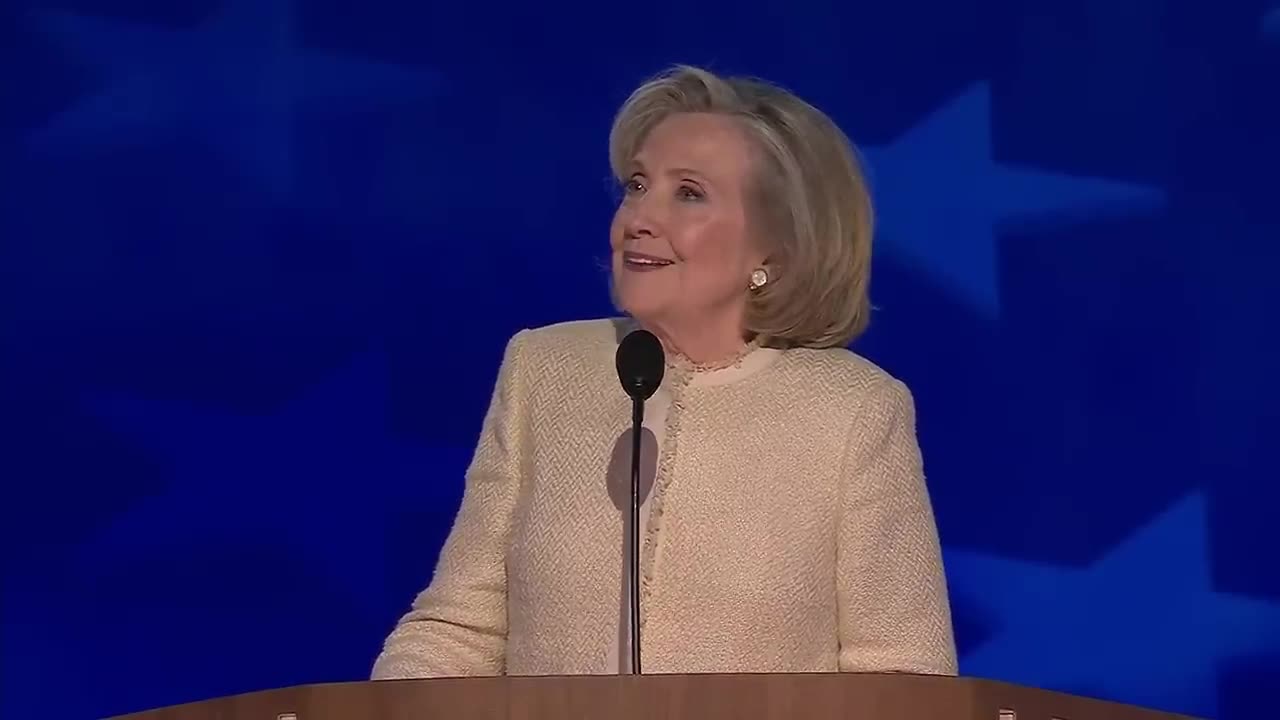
<point x="894" y="613"/>
<point x="458" y="624"/>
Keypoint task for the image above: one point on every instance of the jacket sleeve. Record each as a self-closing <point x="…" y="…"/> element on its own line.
<point x="893" y="610"/>
<point x="457" y="626"/>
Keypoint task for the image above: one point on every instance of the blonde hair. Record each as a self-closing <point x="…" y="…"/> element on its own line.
<point x="810" y="200"/>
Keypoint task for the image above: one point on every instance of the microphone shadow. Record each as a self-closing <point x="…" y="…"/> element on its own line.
<point x="619" y="478"/>
<point x="619" y="486"/>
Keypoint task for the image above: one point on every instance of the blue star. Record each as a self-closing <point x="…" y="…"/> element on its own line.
<point x="233" y="83"/>
<point x="1092" y="630"/>
<point x="940" y="198"/>
<point x="321" y="476"/>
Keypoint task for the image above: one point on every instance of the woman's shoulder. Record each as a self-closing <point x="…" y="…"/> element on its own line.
<point x="575" y="334"/>
<point x="572" y="336"/>
<point x="567" y="346"/>
<point x="863" y="398"/>
<point x="843" y="372"/>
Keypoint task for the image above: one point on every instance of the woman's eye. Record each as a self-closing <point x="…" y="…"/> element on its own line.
<point x="633" y="186"/>
<point x="690" y="193"/>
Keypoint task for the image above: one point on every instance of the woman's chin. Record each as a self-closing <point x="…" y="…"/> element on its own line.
<point x="641" y="307"/>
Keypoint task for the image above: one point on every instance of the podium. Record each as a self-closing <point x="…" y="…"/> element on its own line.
<point x="806" y="696"/>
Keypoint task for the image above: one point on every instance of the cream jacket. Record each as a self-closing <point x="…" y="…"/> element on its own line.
<point x="787" y="526"/>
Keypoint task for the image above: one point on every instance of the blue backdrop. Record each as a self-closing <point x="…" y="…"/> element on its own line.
<point x="258" y="260"/>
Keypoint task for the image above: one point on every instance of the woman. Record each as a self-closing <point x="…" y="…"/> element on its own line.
<point x="786" y="523"/>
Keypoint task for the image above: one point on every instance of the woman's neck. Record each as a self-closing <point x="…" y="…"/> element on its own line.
<point x="705" y="346"/>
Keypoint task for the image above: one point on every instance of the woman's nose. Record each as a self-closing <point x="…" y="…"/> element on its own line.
<point x="643" y="218"/>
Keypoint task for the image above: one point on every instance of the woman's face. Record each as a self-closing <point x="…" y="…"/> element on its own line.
<point x="682" y="258"/>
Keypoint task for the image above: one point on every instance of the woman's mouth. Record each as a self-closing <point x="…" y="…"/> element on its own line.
<point x="642" y="262"/>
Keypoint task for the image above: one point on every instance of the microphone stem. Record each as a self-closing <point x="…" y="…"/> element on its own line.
<point x="637" y="420"/>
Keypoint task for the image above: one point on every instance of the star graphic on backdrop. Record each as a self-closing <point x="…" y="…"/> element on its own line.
<point x="233" y="82"/>
<point x="317" y="476"/>
<point x="941" y="198"/>
<point x="1092" y="629"/>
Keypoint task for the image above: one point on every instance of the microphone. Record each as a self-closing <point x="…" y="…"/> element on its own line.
<point x="641" y="364"/>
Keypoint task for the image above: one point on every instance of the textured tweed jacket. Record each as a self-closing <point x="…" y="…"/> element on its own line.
<point x="787" y="526"/>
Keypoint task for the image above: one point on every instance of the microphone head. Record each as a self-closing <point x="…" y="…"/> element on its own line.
<point x="641" y="364"/>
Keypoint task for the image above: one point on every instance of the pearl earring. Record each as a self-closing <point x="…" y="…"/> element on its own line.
<point x="759" y="277"/>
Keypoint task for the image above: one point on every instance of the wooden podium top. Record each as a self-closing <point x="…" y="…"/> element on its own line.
<point x="660" y="697"/>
